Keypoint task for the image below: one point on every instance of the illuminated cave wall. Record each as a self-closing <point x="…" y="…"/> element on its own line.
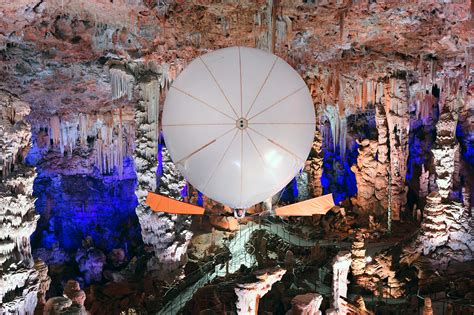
<point x="74" y="207"/>
<point x="86" y="180"/>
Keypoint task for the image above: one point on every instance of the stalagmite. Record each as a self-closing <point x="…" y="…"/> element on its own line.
<point x="427" y="308"/>
<point x="424" y="182"/>
<point x="249" y="294"/>
<point x="45" y="280"/>
<point x="358" y="255"/>
<point x="340" y="269"/>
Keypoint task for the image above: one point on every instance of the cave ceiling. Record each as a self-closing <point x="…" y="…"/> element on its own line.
<point x="53" y="52"/>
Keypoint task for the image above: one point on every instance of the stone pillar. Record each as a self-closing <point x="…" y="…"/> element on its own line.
<point x="249" y="294"/>
<point x="381" y="179"/>
<point x="169" y="235"/>
<point x="340" y="268"/>
<point x="396" y="109"/>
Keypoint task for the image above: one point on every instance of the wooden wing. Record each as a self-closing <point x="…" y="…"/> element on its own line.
<point x="160" y="203"/>
<point x="318" y="205"/>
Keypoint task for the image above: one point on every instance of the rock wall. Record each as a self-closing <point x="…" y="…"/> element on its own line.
<point x="19" y="280"/>
<point x="73" y="207"/>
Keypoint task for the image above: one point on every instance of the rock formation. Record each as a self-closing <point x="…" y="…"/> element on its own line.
<point x="358" y="263"/>
<point x="446" y="229"/>
<point x="444" y="151"/>
<point x="249" y="294"/>
<point x="45" y="281"/>
<point x="396" y="109"/>
<point x="314" y="165"/>
<point x="91" y="263"/>
<point x="20" y="282"/>
<point x="95" y="74"/>
<point x="306" y="304"/>
<point x="168" y="235"/>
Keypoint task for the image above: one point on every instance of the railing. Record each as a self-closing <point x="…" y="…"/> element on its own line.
<point x="210" y="270"/>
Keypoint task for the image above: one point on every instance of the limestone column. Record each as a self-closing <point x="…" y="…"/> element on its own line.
<point x="169" y="235"/>
<point x="396" y="108"/>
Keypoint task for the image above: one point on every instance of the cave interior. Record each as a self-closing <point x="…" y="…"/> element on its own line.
<point x="82" y="91"/>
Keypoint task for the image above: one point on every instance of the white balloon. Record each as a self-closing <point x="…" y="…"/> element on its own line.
<point x="239" y="124"/>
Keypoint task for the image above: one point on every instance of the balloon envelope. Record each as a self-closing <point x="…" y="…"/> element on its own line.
<point x="239" y="124"/>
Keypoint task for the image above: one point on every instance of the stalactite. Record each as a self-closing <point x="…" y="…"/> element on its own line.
<point x="55" y="129"/>
<point x="338" y="125"/>
<point x="151" y="97"/>
<point x="265" y="39"/>
<point x="112" y="134"/>
<point x="364" y="94"/>
<point x="122" y="83"/>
